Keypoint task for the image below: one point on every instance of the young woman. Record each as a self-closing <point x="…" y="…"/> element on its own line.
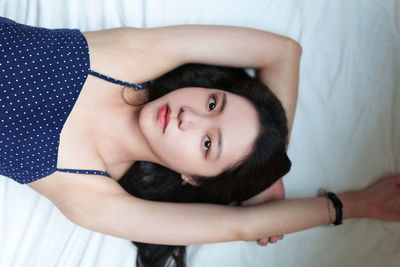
<point x="51" y="73"/>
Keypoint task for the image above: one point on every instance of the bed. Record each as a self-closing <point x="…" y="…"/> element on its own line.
<point x="346" y="133"/>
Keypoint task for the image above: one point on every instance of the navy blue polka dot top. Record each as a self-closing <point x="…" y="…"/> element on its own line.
<point x="42" y="72"/>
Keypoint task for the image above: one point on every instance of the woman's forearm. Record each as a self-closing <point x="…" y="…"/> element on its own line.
<point x="282" y="77"/>
<point x="293" y="215"/>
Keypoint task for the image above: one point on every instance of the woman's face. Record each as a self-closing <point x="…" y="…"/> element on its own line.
<point x="209" y="130"/>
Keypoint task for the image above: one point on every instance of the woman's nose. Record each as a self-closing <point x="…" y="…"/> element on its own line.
<point x="188" y="119"/>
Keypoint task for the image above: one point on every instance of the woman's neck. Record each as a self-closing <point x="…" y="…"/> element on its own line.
<point x="118" y="139"/>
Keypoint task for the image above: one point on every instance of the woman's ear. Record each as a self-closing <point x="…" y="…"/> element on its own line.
<point x="190" y="180"/>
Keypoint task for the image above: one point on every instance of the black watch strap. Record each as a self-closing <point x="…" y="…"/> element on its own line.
<point x="338" y="207"/>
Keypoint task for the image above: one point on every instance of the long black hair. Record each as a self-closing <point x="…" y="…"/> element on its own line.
<point x="264" y="165"/>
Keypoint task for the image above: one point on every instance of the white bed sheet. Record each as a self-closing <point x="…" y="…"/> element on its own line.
<point x="346" y="132"/>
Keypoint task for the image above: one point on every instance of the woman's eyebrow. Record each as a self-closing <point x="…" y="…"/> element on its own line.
<point x="219" y="144"/>
<point x="223" y="104"/>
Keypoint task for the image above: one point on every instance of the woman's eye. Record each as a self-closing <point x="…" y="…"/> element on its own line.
<point x="212" y="103"/>
<point x="207" y="144"/>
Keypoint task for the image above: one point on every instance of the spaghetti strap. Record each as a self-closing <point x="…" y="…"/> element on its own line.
<point x="85" y="172"/>
<point x="138" y="86"/>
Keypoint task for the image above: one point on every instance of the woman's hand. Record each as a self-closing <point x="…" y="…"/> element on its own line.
<point x="274" y="192"/>
<point x="383" y="199"/>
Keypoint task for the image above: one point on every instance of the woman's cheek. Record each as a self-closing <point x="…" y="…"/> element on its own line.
<point x="184" y="153"/>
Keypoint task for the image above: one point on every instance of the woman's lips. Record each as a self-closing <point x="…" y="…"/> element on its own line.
<point x="164" y="116"/>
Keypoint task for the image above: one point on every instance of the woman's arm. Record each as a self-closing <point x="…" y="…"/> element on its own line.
<point x="100" y="204"/>
<point x="126" y="217"/>
<point x="139" y="55"/>
<point x="283" y="80"/>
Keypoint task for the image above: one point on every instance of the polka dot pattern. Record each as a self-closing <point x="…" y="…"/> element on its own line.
<point x="42" y="72"/>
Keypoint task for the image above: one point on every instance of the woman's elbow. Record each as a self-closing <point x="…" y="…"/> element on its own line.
<point x="294" y="48"/>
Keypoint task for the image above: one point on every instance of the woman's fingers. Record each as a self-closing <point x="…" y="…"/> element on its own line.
<point x="273" y="239"/>
<point x="263" y="241"/>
